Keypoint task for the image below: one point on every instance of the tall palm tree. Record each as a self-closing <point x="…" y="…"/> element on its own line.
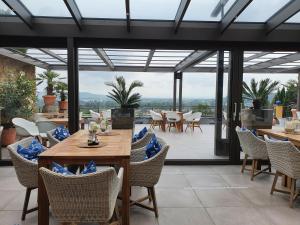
<point x="121" y="95"/>
<point x="259" y="90"/>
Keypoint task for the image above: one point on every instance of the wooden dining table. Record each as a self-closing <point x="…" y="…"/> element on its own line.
<point x="115" y="151"/>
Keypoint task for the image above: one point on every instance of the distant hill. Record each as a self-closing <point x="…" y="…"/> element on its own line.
<point x="87" y="96"/>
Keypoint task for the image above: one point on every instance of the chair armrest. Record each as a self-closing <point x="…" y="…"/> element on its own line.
<point x="137" y="155"/>
<point x="120" y="177"/>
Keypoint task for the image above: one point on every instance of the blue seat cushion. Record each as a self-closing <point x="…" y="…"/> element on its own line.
<point x="89" y="168"/>
<point x="153" y="147"/>
<point x="57" y="168"/>
<point x="61" y="133"/>
<point x="32" y="151"/>
<point x="139" y="135"/>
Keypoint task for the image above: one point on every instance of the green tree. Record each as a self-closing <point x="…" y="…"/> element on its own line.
<point x="204" y="108"/>
<point x="259" y="90"/>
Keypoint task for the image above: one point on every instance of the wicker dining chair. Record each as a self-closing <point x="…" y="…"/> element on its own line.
<point x="173" y="120"/>
<point x="254" y="148"/>
<point x="143" y="141"/>
<point x="285" y="158"/>
<point x="88" y="198"/>
<point x="146" y="173"/>
<point x="27" y="172"/>
<point x="52" y="140"/>
<point x="194" y="121"/>
<point x="156" y="119"/>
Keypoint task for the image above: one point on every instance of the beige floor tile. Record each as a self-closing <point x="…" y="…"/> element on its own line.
<point x="221" y="197"/>
<point x="282" y="215"/>
<point x="198" y="170"/>
<point x="184" y="216"/>
<point x="173" y="181"/>
<point x="237" y="216"/>
<point x="177" y="198"/>
<point x="201" y="180"/>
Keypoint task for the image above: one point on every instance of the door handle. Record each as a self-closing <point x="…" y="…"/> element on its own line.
<point x="235" y="111"/>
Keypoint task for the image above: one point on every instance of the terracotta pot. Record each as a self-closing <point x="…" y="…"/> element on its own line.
<point x="63" y="105"/>
<point x="8" y="136"/>
<point x="49" y="99"/>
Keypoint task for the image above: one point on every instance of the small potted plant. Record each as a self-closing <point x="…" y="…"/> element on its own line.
<point x="50" y="77"/>
<point x="61" y="89"/>
<point x="17" y="97"/>
<point x="123" y="117"/>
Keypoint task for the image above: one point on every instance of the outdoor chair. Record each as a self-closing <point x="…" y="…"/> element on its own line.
<point x="173" y="120"/>
<point x="44" y="127"/>
<point x="194" y="121"/>
<point x="146" y="173"/>
<point x="285" y="158"/>
<point x="255" y="148"/>
<point x="187" y="115"/>
<point x="95" y="116"/>
<point x="156" y="119"/>
<point x="26" y="128"/>
<point x="52" y="140"/>
<point x="89" y="198"/>
<point x="27" y="172"/>
<point x="143" y="141"/>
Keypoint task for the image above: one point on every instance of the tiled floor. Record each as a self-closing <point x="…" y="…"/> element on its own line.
<point x="186" y="195"/>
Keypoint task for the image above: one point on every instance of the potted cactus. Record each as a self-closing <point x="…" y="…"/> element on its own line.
<point x="123" y="117"/>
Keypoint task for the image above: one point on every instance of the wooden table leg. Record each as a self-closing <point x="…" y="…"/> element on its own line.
<point x="125" y="193"/>
<point x="43" y="202"/>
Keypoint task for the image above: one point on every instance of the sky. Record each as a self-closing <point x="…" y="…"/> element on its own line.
<point x="160" y="85"/>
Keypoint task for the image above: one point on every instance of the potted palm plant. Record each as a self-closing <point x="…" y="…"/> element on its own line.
<point x="50" y="77"/>
<point x="123" y="117"/>
<point x="61" y="89"/>
<point x="17" y="97"/>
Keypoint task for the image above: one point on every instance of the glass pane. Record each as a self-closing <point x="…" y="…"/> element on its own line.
<point x="5" y="11"/>
<point x="102" y="9"/>
<point x="260" y="10"/>
<point x="294" y="19"/>
<point x="200" y="10"/>
<point x="154" y="9"/>
<point x="53" y="8"/>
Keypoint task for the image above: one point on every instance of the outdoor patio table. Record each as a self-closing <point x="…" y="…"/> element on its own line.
<point x="280" y="134"/>
<point x="164" y="122"/>
<point x="116" y="151"/>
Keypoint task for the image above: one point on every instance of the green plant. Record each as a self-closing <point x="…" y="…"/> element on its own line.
<point x="61" y="89"/>
<point x="259" y="90"/>
<point x="17" y="96"/>
<point x="50" y="77"/>
<point x="121" y="95"/>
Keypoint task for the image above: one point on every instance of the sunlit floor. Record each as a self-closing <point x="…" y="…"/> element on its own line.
<point x="189" y="144"/>
<point x="186" y="195"/>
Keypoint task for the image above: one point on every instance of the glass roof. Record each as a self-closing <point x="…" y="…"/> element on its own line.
<point x="261" y="10"/>
<point x="153" y="9"/>
<point x="50" y="8"/>
<point x="167" y="59"/>
<point x="200" y="10"/>
<point x="5" y="11"/>
<point x="294" y="19"/>
<point x="111" y="9"/>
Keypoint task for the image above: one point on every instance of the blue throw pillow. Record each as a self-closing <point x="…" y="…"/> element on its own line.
<point x="139" y="135"/>
<point x="153" y="147"/>
<point x="61" y="133"/>
<point x="89" y="168"/>
<point x="32" y="151"/>
<point x="60" y="169"/>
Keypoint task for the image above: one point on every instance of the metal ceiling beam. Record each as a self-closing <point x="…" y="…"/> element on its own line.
<point x="286" y="12"/>
<point x="21" y="11"/>
<point x="236" y="9"/>
<point x="192" y="59"/>
<point x="274" y="62"/>
<point x="102" y="54"/>
<point x="255" y="56"/>
<point x="52" y="54"/>
<point x="73" y="9"/>
<point x="150" y="55"/>
<point x="127" y="3"/>
<point x="184" y="4"/>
